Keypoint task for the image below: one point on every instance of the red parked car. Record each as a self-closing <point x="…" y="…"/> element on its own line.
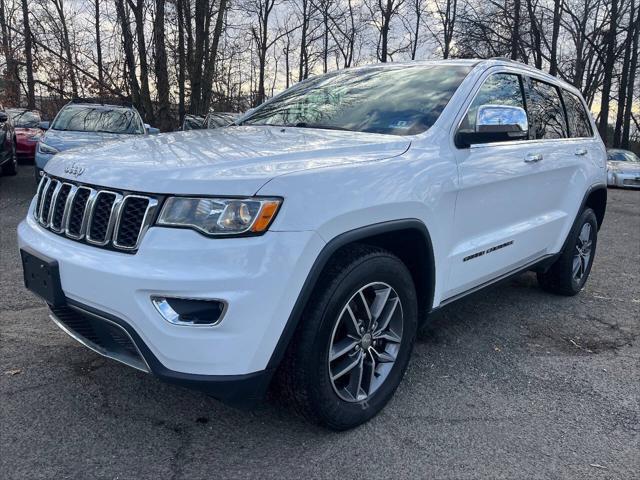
<point x="28" y="131"/>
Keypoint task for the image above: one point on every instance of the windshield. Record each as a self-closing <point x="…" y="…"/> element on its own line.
<point x="25" y="118"/>
<point x="397" y="100"/>
<point x="83" y="118"/>
<point x="623" y="156"/>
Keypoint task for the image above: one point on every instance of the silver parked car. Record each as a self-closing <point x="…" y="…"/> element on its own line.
<point x="623" y="168"/>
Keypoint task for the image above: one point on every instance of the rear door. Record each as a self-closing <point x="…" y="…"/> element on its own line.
<point x="567" y="156"/>
<point x="507" y="211"/>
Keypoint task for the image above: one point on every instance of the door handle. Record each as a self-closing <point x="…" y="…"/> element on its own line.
<point x="533" y="157"/>
<point x="581" y="151"/>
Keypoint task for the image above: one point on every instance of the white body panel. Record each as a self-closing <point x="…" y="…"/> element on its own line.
<point x="332" y="182"/>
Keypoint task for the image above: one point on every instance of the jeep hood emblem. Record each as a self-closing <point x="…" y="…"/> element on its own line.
<point x="76" y="170"/>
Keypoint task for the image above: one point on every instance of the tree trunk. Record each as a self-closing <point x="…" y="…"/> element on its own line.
<point x="181" y="60"/>
<point x="624" y="78"/>
<point x="304" y="61"/>
<point x="384" y="31"/>
<point x="12" y="81"/>
<point x="145" y="94"/>
<point x="553" y="60"/>
<point x="99" y="48"/>
<point x="633" y="71"/>
<point x="213" y="55"/>
<point x="67" y="47"/>
<point x="28" y="51"/>
<point x="196" y="62"/>
<point x="162" y="75"/>
<point x="515" y="30"/>
<point x="609" y="64"/>
<point x="130" y="59"/>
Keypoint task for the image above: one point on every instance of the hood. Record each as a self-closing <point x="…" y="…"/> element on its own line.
<point x="224" y="161"/>
<point x="64" y="140"/>
<point x="626" y="167"/>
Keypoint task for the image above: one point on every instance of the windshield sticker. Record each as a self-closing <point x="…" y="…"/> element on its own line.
<point x="400" y="124"/>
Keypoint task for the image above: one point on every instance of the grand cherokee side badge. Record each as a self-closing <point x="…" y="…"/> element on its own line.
<point x="76" y="170"/>
<point x="488" y="250"/>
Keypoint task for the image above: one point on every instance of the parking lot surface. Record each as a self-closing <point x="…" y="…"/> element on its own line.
<point x="509" y="383"/>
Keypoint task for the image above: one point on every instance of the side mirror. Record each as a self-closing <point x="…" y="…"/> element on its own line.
<point x="3" y="117"/>
<point x="151" y="130"/>
<point x="496" y="123"/>
<point x="44" y="125"/>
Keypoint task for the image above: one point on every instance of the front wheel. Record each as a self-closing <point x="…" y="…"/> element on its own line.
<point x="354" y="341"/>
<point x="570" y="271"/>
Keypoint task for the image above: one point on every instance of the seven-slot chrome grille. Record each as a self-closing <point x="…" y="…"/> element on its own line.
<point x="104" y="218"/>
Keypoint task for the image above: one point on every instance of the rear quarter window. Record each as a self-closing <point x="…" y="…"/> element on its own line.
<point x="577" y="116"/>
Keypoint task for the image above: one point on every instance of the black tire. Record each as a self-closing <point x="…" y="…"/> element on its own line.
<point x="304" y="377"/>
<point x="11" y="167"/>
<point x="561" y="278"/>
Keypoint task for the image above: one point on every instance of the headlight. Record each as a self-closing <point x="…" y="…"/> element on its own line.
<point x="220" y="216"/>
<point x="46" y="149"/>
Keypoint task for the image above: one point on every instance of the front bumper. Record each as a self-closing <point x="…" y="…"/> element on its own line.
<point x="113" y="338"/>
<point x="623" y="179"/>
<point x="259" y="277"/>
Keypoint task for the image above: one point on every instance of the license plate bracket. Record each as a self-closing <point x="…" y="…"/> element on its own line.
<point x="42" y="277"/>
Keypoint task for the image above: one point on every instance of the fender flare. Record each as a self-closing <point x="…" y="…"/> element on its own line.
<point x="351" y="236"/>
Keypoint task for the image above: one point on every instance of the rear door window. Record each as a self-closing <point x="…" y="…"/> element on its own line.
<point x="577" y="115"/>
<point x="547" y="110"/>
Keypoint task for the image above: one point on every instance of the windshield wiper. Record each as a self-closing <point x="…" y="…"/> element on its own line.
<point x="317" y="125"/>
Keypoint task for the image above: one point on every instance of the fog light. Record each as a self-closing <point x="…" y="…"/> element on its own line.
<point x="190" y="311"/>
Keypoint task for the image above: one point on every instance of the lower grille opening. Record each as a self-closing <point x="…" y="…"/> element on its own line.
<point x="100" y="335"/>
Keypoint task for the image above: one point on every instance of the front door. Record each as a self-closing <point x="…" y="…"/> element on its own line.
<point x="505" y="217"/>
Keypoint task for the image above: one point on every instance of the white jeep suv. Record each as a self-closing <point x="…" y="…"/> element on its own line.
<point x="306" y="243"/>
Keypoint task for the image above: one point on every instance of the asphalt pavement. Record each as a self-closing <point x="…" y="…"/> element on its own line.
<point x="509" y="383"/>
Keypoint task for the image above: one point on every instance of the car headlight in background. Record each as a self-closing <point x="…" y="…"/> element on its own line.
<point x="220" y="216"/>
<point x="47" y="149"/>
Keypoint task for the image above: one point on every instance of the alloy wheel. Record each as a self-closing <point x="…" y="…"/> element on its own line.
<point x="582" y="255"/>
<point x="365" y="342"/>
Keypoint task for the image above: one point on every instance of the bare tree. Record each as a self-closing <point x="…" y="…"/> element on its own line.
<point x="609" y="63"/>
<point x="96" y="4"/>
<point x="11" y="73"/>
<point x="162" y="75"/>
<point x="382" y="13"/>
<point x="31" y="96"/>
<point x="443" y="15"/>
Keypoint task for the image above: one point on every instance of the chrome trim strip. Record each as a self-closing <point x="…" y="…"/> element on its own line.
<point x="156" y="300"/>
<point x="110" y="222"/>
<point x="144" y="226"/>
<point x="67" y="210"/>
<point x="36" y="210"/>
<point x="96" y="348"/>
<point x="497" y="279"/>
<point x="44" y="194"/>
<point x="52" y="207"/>
<point x="64" y="208"/>
<point x="85" y="218"/>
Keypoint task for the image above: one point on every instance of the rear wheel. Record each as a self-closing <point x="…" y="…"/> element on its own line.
<point x="569" y="273"/>
<point x="354" y="341"/>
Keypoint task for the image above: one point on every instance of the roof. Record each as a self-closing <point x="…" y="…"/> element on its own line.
<point x="482" y="63"/>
